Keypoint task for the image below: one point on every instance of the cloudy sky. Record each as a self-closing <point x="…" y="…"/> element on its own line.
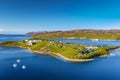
<point x="22" y="16"/>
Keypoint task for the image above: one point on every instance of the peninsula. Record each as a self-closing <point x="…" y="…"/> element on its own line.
<point x="67" y="51"/>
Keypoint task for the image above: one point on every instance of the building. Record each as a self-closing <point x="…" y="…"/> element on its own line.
<point x="32" y="42"/>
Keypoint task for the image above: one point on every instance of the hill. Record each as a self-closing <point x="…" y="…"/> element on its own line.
<point x="80" y="33"/>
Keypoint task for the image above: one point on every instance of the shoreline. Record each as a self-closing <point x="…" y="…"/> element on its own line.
<point x="60" y="56"/>
<point x="72" y="60"/>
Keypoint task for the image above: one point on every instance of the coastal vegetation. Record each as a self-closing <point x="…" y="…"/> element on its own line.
<point x="14" y="43"/>
<point x="68" y="50"/>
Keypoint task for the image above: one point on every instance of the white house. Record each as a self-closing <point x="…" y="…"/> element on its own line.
<point x="32" y="42"/>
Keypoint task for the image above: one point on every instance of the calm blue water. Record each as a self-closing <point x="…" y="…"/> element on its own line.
<point x="90" y="42"/>
<point x="43" y="67"/>
<point x="13" y="37"/>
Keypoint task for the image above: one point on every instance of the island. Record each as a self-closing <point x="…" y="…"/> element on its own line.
<point x="67" y="51"/>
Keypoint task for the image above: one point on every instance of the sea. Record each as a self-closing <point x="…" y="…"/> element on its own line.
<point x="21" y="64"/>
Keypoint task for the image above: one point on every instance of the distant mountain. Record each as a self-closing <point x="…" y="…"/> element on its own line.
<point x="2" y="34"/>
<point x="41" y="32"/>
<point x="80" y="33"/>
<point x="112" y="31"/>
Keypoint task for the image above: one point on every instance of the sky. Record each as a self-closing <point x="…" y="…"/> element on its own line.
<point x="22" y="16"/>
